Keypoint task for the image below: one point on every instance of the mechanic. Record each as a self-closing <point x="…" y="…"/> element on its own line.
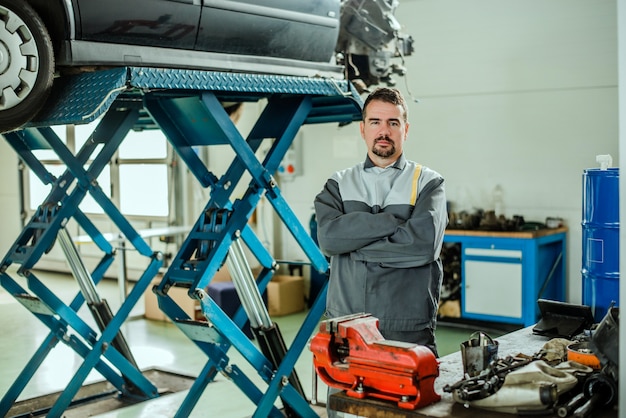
<point x="382" y="223"/>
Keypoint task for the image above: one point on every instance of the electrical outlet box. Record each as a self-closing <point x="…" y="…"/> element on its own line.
<point x="291" y="165"/>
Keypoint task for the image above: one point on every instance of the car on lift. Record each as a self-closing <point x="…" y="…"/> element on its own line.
<point x="44" y="39"/>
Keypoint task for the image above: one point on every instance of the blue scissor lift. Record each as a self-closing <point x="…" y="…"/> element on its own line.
<point x="187" y="106"/>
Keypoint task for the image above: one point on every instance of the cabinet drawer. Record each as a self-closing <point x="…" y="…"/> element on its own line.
<point x="493" y="253"/>
<point x="493" y="288"/>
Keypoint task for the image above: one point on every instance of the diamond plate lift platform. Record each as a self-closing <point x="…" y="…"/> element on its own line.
<point x="186" y="106"/>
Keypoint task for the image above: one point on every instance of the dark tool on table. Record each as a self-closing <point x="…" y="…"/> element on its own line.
<point x="599" y="392"/>
<point x="561" y="319"/>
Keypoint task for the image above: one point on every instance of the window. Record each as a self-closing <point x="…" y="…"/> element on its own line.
<point x="137" y="179"/>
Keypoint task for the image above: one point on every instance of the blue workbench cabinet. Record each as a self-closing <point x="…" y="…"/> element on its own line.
<point x="504" y="273"/>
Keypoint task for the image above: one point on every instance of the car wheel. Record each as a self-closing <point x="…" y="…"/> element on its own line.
<point x="26" y="64"/>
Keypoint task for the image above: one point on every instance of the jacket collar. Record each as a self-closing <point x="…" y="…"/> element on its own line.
<point x="399" y="164"/>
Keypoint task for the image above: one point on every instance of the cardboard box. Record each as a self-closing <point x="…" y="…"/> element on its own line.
<point x="179" y="295"/>
<point x="222" y="275"/>
<point x="450" y="309"/>
<point x="285" y="295"/>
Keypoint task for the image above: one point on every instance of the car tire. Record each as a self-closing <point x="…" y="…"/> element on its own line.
<point x="26" y="64"/>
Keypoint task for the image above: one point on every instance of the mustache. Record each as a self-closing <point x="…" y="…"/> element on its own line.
<point x="383" y="138"/>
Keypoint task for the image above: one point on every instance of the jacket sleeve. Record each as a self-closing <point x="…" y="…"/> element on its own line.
<point x="418" y="240"/>
<point x="339" y="232"/>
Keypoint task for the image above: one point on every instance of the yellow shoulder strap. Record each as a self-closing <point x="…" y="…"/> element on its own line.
<point x="416" y="176"/>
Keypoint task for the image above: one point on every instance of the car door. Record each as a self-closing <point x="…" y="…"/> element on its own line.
<point x="296" y="29"/>
<point x="160" y="23"/>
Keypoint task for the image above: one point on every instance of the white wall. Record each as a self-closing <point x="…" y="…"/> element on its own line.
<point x="521" y="94"/>
<point x="9" y="198"/>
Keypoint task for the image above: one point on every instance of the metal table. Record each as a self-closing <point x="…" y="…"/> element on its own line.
<point x="522" y="341"/>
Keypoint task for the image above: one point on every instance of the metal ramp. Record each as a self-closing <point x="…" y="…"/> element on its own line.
<point x="187" y="107"/>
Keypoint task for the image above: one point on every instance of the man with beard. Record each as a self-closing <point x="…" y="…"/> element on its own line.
<point x="382" y="223"/>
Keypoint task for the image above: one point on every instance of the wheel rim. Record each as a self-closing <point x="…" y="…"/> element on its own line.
<point x="19" y="60"/>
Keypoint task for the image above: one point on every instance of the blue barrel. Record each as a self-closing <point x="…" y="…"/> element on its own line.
<point x="600" y="227"/>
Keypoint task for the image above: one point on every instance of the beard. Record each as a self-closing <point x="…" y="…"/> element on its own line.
<point x="384" y="153"/>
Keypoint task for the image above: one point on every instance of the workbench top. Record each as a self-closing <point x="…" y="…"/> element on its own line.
<point x="522" y="341"/>
<point x="505" y="234"/>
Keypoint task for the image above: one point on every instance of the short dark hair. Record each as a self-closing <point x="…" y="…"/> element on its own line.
<point x="389" y="95"/>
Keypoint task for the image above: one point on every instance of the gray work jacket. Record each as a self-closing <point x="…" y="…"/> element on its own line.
<point x="383" y="229"/>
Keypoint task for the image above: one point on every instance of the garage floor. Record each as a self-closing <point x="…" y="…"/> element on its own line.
<point x="155" y="345"/>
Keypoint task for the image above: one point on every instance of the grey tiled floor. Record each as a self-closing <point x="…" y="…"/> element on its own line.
<point x="154" y="344"/>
